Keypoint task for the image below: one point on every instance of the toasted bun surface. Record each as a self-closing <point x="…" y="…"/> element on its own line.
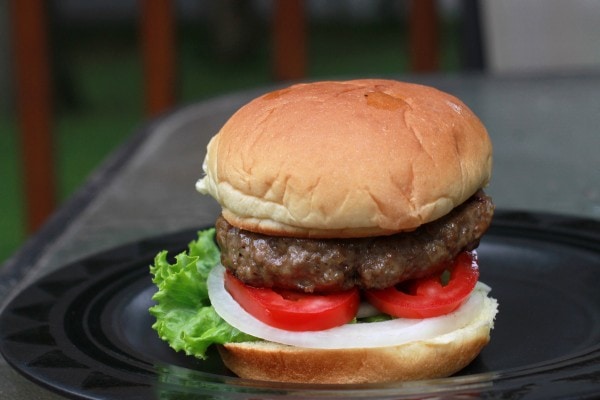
<point x="434" y="358"/>
<point x="346" y="159"/>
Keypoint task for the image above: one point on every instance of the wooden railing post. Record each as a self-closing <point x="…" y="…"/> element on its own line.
<point x="424" y="42"/>
<point x="289" y="40"/>
<point x="33" y="87"/>
<point x="158" y="45"/>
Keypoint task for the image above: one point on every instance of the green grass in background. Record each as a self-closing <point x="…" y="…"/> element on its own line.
<point x="11" y="212"/>
<point x="101" y="69"/>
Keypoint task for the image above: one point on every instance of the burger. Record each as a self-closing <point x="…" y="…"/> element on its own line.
<point x="345" y="251"/>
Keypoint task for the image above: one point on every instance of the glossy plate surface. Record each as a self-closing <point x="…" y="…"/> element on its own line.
<point x="85" y="332"/>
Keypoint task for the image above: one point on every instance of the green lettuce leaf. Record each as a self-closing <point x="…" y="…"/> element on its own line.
<point x="184" y="316"/>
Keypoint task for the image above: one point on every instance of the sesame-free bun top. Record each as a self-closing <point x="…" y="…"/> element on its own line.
<point x="346" y="159"/>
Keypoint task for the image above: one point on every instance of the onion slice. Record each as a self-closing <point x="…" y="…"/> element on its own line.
<point x="360" y="335"/>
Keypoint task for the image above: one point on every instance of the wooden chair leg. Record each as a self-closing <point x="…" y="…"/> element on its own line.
<point x="34" y="108"/>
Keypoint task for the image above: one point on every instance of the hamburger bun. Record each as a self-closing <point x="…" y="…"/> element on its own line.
<point x="391" y="156"/>
<point x="440" y="356"/>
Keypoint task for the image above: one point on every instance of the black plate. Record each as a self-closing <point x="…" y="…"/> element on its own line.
<point x="84" y="331"/>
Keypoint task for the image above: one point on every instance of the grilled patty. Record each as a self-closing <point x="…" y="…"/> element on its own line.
<point x="325" y="265"/>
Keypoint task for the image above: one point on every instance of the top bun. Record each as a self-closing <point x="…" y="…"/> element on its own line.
<point x="346" y="159"/>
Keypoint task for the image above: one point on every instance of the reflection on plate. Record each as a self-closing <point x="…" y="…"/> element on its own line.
<point x="84" y="331"/>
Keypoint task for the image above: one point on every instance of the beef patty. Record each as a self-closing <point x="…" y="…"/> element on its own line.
<point x="322" y="265"/>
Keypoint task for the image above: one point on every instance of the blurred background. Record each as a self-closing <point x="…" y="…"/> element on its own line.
<point x="97" y="54"/>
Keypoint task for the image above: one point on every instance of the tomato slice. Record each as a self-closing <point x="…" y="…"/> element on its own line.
<point x="427" y="297"/>
<point x="294" y="311"/>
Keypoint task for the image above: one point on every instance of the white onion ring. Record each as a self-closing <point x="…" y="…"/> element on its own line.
<point x="365" y="335"/>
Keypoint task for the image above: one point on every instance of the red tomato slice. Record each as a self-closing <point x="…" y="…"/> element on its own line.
<point x="425" y="298"/>
<point x="294" y="311"/>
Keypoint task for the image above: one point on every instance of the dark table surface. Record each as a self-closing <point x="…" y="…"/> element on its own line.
<point x="545" y="131"/>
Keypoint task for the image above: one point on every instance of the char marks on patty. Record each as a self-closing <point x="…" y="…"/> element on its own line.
<point x="325" y="265"/>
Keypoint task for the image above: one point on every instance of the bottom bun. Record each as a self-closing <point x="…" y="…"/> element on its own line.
<point x="438" y="357"/>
